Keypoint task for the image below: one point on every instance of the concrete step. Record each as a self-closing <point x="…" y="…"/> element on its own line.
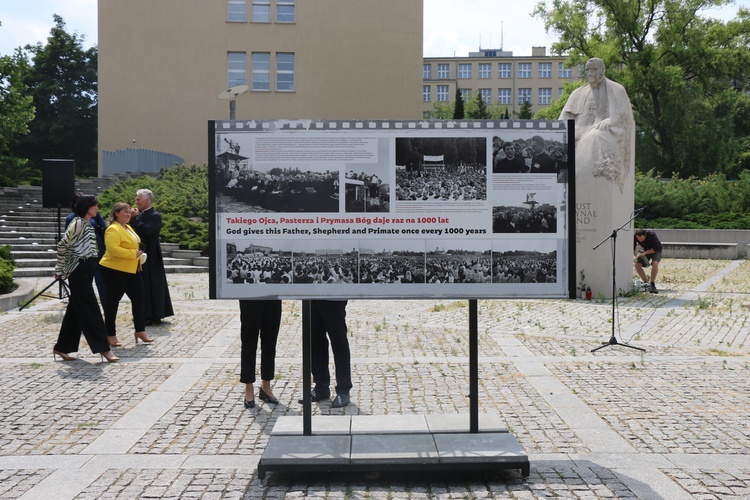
<point x="40" y="262"/>
<point x="37" y="272"/>
<point x="34" y="255"/>
<point x="21" y="243"/>
<point x="27" y="233"/>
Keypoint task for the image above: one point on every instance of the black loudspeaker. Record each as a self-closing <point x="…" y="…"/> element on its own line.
<point x="58" y="183"/>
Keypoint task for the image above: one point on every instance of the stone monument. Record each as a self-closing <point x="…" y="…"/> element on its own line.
<point x="605" y="179"/>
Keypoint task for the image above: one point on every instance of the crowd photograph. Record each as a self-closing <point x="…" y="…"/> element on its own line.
<point x="252" y="263"/>
<point x="459" y="262"/>
<point x="393" y="262"/>
<point x="526" y="212"/>
<point x="524" y="266"/>
<point x="244" y="187"/>
<point x="441" y="169"/>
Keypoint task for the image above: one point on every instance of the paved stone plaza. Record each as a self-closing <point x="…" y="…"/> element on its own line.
<point x="168" y="421"/>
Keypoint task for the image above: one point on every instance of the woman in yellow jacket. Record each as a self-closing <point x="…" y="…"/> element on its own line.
<point x="121" y="269"/>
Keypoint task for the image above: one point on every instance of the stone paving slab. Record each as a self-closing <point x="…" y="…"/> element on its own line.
<point x="168" y="421"/>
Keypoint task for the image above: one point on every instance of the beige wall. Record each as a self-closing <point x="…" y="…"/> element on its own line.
<point x="162" y="64"/>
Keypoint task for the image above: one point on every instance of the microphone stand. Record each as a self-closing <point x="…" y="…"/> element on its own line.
<point x="613" y="237"/>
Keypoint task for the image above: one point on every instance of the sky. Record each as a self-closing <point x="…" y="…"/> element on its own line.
<point x="451" y="27"/>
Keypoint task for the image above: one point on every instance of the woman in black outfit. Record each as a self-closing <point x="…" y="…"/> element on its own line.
<point x="77" y="257"/>
<point x="259" y="318"/>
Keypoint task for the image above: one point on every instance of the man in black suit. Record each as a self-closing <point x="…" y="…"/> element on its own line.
<point x="147" y="223"/>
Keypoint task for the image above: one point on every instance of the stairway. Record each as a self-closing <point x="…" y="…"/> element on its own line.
<point x="32" y="232"/>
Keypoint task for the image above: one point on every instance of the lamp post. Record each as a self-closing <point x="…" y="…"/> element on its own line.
<point x="231" y="95"/>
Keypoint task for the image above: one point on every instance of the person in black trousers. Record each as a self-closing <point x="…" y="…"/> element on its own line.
<point x="329" y="316"/>
<point x="259" y="318"/>
<point x="76" y="259"/>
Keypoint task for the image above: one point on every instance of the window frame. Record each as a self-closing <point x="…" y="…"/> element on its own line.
<point x="260" y="16"/>
<point x="257" y="71"/>
<point x="508" y="94"/>
<point x="281" y="72"/>
<point x="524" y="70"/>
<point x="287" y="5"/>
<point x="484" y="71"/>
<point x="505" y="70"/>
<point x="233" y="82"/>
<point x="465" y="70"/>
<point x="524" y="96"/>
<point x="544" y="69"/>
<point x="443" y="93"/>
<point x="544" y="99"/>
<point x="241" y="13"/>
<point x="426" y="93"/>
<point x="444" y="71"/>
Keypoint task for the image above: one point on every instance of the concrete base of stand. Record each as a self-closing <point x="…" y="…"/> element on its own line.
<point x="391" y="442"/>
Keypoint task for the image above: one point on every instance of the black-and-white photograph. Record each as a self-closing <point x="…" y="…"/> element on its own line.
<point x="527" y="212"/>
<point x="366" y="189"/>
<point x="392" y="261"/>
<point x="530" y="155"/>
<point x="259" y="262"/>
<point x="246" y="188"/>
<point x="325" y="262"/>
<point x="441" y="169"/>
<point x="524" y="266"/>
<point x="461" y="261"/>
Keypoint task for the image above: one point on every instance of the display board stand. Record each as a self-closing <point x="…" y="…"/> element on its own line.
<point x="392" y="442"/>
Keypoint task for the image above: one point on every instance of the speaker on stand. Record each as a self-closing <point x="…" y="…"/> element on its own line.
<point x="58" y="190"/>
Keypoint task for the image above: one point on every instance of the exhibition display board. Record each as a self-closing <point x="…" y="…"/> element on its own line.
<point x="390" y="209"/>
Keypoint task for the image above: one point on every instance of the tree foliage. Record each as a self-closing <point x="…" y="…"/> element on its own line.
<point x="681" y="70"/>
<point x="458" y="106"/>
<point x="16" y="110"/>
<point x="62" y="82"/>
<point x="479" y="111"/>
<point x="525" y="112"/>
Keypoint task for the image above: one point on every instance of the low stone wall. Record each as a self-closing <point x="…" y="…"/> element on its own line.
<point x="687" y="250"/>
<point x="740" y="237"/>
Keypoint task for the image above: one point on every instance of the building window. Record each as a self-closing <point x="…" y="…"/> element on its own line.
<point x="237" y="11"/>
<point x="285" y="72"/>
<point x="426" y="115"/>
<point x="442" y="93"/>
<point x="559" y="91"/>
<point x="545" y="70"/>
<point x="261" y="71"/>
<point x="426" y="91"/>
<point x="545" y="96"/>
<point x="504" y="70"/>
<point x="236" y="69"/>
<point x="427" y="72"/>
<point x="524" y="70"/>
<point x="465" y="94"/>
<point x="564" y="72"/>
<point x="284" y="11"/>
<point x="524" y="95"/>
<point x="485" y="70"/>
<point x="486" y="95"/>
<point x="261" y="11"/>
<point x="504" y="96"/>
<point x="444" y="71"/>
<point x="464" y="70"/>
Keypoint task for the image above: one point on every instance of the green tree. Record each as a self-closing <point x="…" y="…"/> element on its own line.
<point x="525" y="112"/>
<point x="17" y="110"/>
<point x="679" y="70"/>
<point x="442" y="110"/>
<point x="63" y="85"/>
<point x="458" y="107"/>
<point x="479" y="111"/>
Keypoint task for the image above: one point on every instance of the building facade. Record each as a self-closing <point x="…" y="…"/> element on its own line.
<point x="163" y="64"/>
<point x="503" y="80"/>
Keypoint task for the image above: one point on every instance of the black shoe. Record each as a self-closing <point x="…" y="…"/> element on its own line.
<point x="249" y="404"/>
<point x="265" y="397"/>
<point x="340" y="401"/>
<point x="653" y="289"/>
<point x="316" y="395"/>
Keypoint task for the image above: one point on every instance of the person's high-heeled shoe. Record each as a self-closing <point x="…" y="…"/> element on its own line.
<point x="113" y="342"/>
<point x="109" y="356"/>
<point x="267" y="398"/>
<point x="63" y="356"/>
<point x="144" y="337"/>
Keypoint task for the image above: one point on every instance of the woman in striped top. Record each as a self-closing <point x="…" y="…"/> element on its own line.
<point x="76" y="261"/>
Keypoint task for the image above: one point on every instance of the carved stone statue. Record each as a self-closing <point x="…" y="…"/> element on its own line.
<point x="605" y="176"/>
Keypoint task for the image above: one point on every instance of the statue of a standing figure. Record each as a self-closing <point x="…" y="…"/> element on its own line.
<point x="605" y="174"/>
